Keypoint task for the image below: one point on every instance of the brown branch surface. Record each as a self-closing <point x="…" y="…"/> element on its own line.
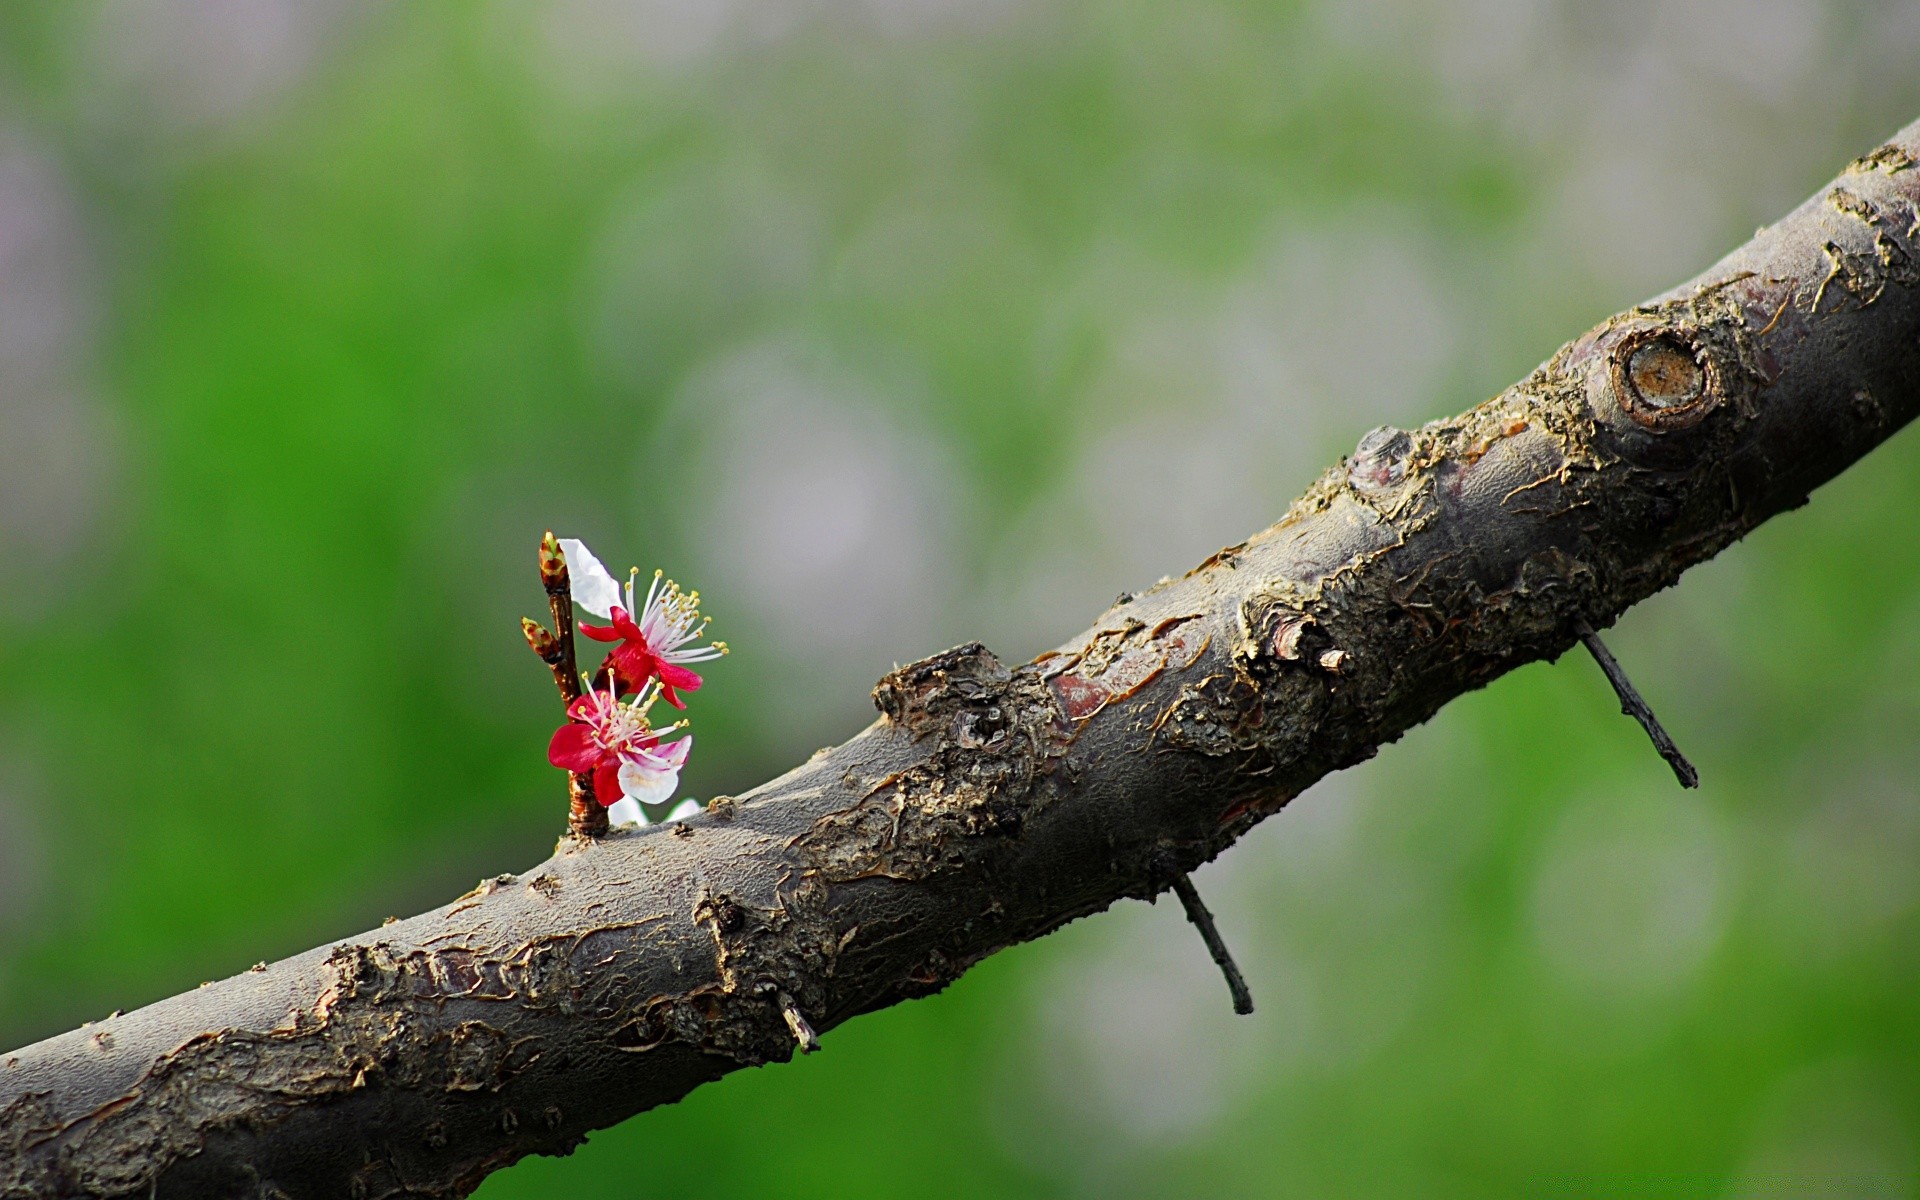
<point x="991" y="804"/>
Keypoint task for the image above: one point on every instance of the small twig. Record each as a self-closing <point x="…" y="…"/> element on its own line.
<point x="585" y="816"/>
<point x="547" y="646"/>
<point x="803" y="1033"/>
<point x="1216" y="946"/>
<point x="553" y="577"/>
<point x="1633" y="706"/>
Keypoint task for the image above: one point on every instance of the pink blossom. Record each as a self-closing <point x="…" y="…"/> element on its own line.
<point x="613" y="742"/>
<point x="653" y="647"/>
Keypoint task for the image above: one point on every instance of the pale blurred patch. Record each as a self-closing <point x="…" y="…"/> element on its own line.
<point x="1645" y="219"/>
<point x="1766" y="47"/>
<point x="828" y="524"/>
<point x="1221" y="401"/>
<point x="1132" y="1046"/>
<point x="1852" y="865"/>
<point x="45" y="271"/>
<point x="585" y="41"/>
<point x="687" y="254"/>
<point x="1632" y="893"/>
<point x="1319" y="838"/>
<point x="1323" y="883"/>
<point x="56" y="443"/>
<point x="1355" y="306"/>
<point x="589" y="49"/>
<point x="56" y="460"/>
<point x="1658" y="132"/>
<point x="1167" y="489"/>
<point x="950" y="236"/>
<point x="170" y="67"/>
<point x="1135" y="1044"/>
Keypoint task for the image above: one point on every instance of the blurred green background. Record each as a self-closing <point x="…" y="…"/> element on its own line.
<point x="890" y="324"/>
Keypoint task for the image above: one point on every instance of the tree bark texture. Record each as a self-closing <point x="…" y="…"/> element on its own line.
<point x="991" y="804"/>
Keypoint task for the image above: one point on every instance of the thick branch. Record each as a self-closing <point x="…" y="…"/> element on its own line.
<point x="991" y="805"/>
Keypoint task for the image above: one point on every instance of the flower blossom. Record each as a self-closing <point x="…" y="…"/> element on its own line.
<point x="613" y="742"/>
<point x="655" y="645"/>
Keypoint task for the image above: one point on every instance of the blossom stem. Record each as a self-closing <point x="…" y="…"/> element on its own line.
<point x="553" y="577"/>
<point x="585" y="816"/>
<point x="547" y="646"/>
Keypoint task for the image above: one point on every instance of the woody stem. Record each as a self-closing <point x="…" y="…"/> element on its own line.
<point x="585" y="816"/>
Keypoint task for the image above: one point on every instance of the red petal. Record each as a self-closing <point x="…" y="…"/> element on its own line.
<point x="572" y="748"/>
<point x="600" y="633"/>
<point x="624" y="626"/>
<point x="676" y="676"/>
<point x="606" y="784"/>
<point x="632" y="666"/>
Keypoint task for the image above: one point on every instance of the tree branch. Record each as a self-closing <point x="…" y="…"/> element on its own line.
<point x="990" y="805"/>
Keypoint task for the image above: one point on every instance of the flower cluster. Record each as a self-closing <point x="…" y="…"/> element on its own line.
<point x="611" y="739"/>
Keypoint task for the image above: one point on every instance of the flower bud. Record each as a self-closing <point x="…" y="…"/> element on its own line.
<point x="553" y="564"/>
<point x="544" y="644"/>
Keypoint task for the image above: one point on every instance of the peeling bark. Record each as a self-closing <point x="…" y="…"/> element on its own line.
<point x="991" y="804"/>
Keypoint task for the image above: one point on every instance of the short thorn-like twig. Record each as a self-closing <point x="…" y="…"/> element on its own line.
<point x="1633" y="706"/>
<point x="803" y="1033"/>
<point x="1216" y="946"/>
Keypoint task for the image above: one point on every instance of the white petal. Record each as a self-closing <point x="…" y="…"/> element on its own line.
<point x="648" y="783"/>
<point x="683" y="810"/>
<point x="626" y="812"/>
<point x="594" y="588"/>
<point x="673" y="754"/>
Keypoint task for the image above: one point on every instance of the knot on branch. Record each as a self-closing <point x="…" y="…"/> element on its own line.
<point x="1663" y="379"/>
<point x="987" y="737"/>
<point x="774" y="960"/>
<point x="1379" y="462"/>
<point x="1670" y="385"/>
<point x="955" y="691"/>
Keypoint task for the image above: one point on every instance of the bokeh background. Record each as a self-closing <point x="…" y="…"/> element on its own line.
<point x="890" y="324"/>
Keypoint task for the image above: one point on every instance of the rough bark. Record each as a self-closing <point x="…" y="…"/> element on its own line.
<point x="989" y="804"/>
